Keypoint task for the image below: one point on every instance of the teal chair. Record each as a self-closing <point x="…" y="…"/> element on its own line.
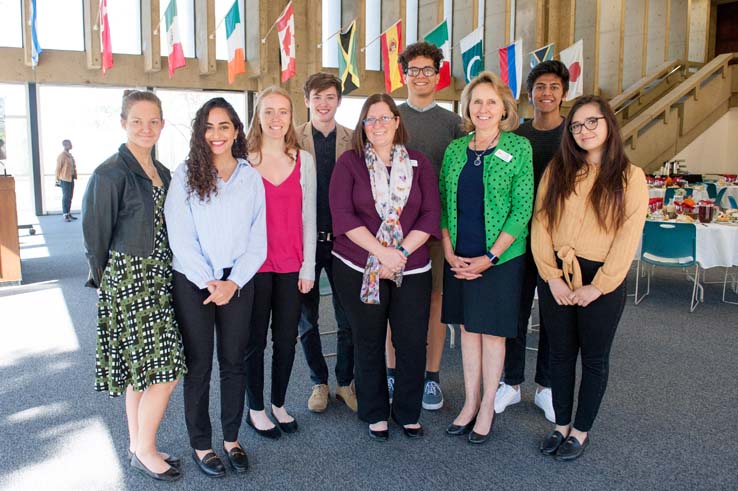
<point x="669" y="195"/>
<point x="711" y="190"/>
<point x="670" y="245"/>
<point x="732" y="202"/>
<point x="719" y="196"/>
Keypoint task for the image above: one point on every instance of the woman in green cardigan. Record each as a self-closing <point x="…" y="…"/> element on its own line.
<point x="486" y="186"/>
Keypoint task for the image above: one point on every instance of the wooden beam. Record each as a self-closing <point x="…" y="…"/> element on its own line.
<point x="667" y="30"/>
<point x="541" y="27"/>
<point x="688" y="28"/>
<point x="508" y="13"/>
<point x="598" y="30"/>
<point x="91" y="9"/>
<point x="205" y="36"/>
<point x="27" y="32"/>
<point x="644" y="42"/>
<point x="621" y="52"/>
<point x="150" y="38"/>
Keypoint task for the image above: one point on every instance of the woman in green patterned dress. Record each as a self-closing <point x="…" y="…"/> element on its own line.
<point x="139" y="348"/>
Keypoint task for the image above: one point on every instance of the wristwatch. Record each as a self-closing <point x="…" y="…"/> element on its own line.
<point x="492" y="258"/>
<point x="404" y="251"/>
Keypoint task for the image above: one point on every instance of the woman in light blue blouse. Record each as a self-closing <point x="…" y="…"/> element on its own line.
<point x="215" y="214"/>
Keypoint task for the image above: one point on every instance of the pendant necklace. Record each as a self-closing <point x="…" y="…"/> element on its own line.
<point x="478" y="155"/>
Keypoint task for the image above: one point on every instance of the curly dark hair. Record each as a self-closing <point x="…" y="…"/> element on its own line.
<point x="421" y="48"/>
<point x="202" y="176"/>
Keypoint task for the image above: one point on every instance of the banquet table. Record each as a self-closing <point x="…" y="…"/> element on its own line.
<point x="697" y="194"/>
<point x="716" y="244"/>
<point x="730" y="191"/>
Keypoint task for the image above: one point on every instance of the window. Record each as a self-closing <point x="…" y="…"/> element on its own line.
<point x="11" y="32"/>
<point x="17" y="148"/>
<point x="186" y="15"/>
<point x="125" y="27"/>
<point x="55" y="34"/>
<point x="221" y="42"/>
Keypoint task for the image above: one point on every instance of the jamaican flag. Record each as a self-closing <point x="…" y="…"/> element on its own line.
<point x="348" y="70"/>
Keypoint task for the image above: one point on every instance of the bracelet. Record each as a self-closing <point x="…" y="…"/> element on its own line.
<point x="492" y="258"/>
<point x="403" y="251"/>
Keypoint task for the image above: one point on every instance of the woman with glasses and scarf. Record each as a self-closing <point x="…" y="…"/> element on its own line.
<point x="384" y="202"/>
<point x="590" y="211"/>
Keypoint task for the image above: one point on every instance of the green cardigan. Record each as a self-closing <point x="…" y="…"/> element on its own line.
<point x="508" y="190"/>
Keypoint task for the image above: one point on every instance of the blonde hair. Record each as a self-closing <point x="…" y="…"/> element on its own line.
<point x="510" y="120"/>
<point x="254" y="137"/>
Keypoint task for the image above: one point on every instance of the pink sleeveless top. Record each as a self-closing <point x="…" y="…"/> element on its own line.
<point x="284" y="224"/>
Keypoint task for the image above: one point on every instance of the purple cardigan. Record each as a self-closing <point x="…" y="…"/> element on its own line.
<point x="352" y="206"/>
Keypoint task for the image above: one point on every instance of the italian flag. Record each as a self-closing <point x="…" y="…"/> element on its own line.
<point x="439" y="37"/>
<point x="235" y="37"/>
<point x="176" y="55"/>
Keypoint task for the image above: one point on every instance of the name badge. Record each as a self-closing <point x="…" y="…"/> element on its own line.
<point x="413" y="163"/>
<point x="503" y="155"/>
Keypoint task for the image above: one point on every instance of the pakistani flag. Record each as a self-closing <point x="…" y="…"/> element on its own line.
<point x="472" y="47"/>
<point x="176" y="54"/>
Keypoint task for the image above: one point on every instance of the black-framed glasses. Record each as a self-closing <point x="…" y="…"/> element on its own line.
<point x="589" y="123"/>
<point x="414" y="71"/>
<point x="383" y="119"/>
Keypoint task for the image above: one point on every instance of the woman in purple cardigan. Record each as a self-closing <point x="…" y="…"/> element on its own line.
<point x="385" y="205"/>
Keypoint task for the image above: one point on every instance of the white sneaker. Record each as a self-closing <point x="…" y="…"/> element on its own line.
<point x="544" y="400"/>
<point x="506" y="396"/>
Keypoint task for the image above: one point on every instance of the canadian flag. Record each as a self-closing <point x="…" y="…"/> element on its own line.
<point x="286" y="29"/>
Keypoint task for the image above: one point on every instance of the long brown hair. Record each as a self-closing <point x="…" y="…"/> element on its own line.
<point x="569" y="162"/>
<point x="359" y="139"/>
<point x="254" y="136"/>
<point x="202" y="176"/>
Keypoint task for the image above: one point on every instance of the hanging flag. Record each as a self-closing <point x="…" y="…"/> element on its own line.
<point x="348" y="70"/>
<point x="511" y="66"/>
<point x="439" y="37"/>
<point x="176" y="55"/>
<point x="573" y="57"/>
<point x="35" y="47"/>
<point x="107" y="48"/>
<point x="391" y="47"/>
<point x="236" y="43"/>
<point x="541" y="54"/>
<point x="286" y="28"/>
<point x="472" y="48"/>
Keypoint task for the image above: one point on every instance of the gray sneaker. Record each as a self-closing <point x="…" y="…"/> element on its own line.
<point x="432" y="396"/>
<point x="391" y="387"/>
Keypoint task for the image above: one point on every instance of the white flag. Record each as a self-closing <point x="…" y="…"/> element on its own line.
<point x="573" y="58"/>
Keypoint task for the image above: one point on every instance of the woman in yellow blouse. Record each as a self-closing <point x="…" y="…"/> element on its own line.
<point x="588" y="220"/>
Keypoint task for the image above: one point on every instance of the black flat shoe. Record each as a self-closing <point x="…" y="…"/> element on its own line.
<point x="290" y="427"/>
<point x="238" y="459"/>
<point x="413" y="433"/>
<point x="571" y="449"/>
<point x="379" y="435"/>
<point x="477" y="438"/>
<point x="171" y="460"/>
<point x="271" y="433"/>
<point x="551" y="443"/>
<point x="170" y="474"/>
<point x="456" y="430"/>
<point x="210" y="464"/>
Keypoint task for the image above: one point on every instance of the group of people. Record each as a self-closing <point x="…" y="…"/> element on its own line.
<point x="419" y="218"/>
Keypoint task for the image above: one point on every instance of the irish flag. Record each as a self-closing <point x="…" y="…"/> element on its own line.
<point x="235" y="37"/>
<point x="439" y="37"/>
<point x="176" y="55"/>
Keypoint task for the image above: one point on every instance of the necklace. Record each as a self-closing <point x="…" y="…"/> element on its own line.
<point x="478" y="155"/>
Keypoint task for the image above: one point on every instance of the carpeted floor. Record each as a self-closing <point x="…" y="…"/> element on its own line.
<point x="669" y="419"/>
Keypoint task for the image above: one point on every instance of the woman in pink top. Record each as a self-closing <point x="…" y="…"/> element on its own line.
<point x="289" y="184"/>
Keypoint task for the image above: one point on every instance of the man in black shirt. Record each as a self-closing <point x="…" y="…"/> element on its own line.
<point x="547" y="85"/>
<point x="326" y="140"/>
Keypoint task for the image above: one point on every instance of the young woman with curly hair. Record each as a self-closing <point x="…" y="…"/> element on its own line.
<point x="288" y="174"/>
<point x="215" y="215"/>
<point x="588" y="220"/>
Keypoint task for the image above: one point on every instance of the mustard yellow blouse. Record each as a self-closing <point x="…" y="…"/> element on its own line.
<point x="579" y="235"/>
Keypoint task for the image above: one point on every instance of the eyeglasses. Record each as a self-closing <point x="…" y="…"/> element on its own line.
<point x="384" y="120"/>
<point x="589" y="123"/>
<point x="414" y="71"/>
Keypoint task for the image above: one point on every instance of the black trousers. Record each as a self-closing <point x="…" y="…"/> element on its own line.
<point x="310" y="332"/>
<point x="276" y="295"/>
<point x="407" y="309"/>
<point x="515" y="347"/>
<point x="587" y="330"/>
<point x="67" y="188"/>
<point x="198" y="323"/>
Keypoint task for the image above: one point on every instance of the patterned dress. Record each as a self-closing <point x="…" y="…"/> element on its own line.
<point x="138" y="342"/>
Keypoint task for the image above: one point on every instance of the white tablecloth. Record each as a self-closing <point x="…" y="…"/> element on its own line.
<point x="717" y="245"/>
<point x="697" y="194"/>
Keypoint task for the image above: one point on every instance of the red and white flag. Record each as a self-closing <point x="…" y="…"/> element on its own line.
<point x="176" y="54"/>
<point x="573" y="58"/>
<point x="107" y="48"/>
<point x="286" y="29"/>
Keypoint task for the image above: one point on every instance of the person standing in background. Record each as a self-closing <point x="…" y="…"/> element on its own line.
<point x="547" y="85"/>
<point x="66" y="173"/>
<point x="430" y="129"/>
<point x="325" y="140"/>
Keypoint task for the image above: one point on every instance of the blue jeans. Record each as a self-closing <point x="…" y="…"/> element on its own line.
<point x="310" y="334"/>
<point x="67" y="188"/>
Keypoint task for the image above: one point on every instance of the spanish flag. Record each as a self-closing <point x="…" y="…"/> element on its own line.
<point x="348" y="70"/>
<point x="391" y="48"/>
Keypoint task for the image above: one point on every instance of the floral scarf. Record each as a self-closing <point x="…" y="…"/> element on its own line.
<point x="390" y="191"/>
